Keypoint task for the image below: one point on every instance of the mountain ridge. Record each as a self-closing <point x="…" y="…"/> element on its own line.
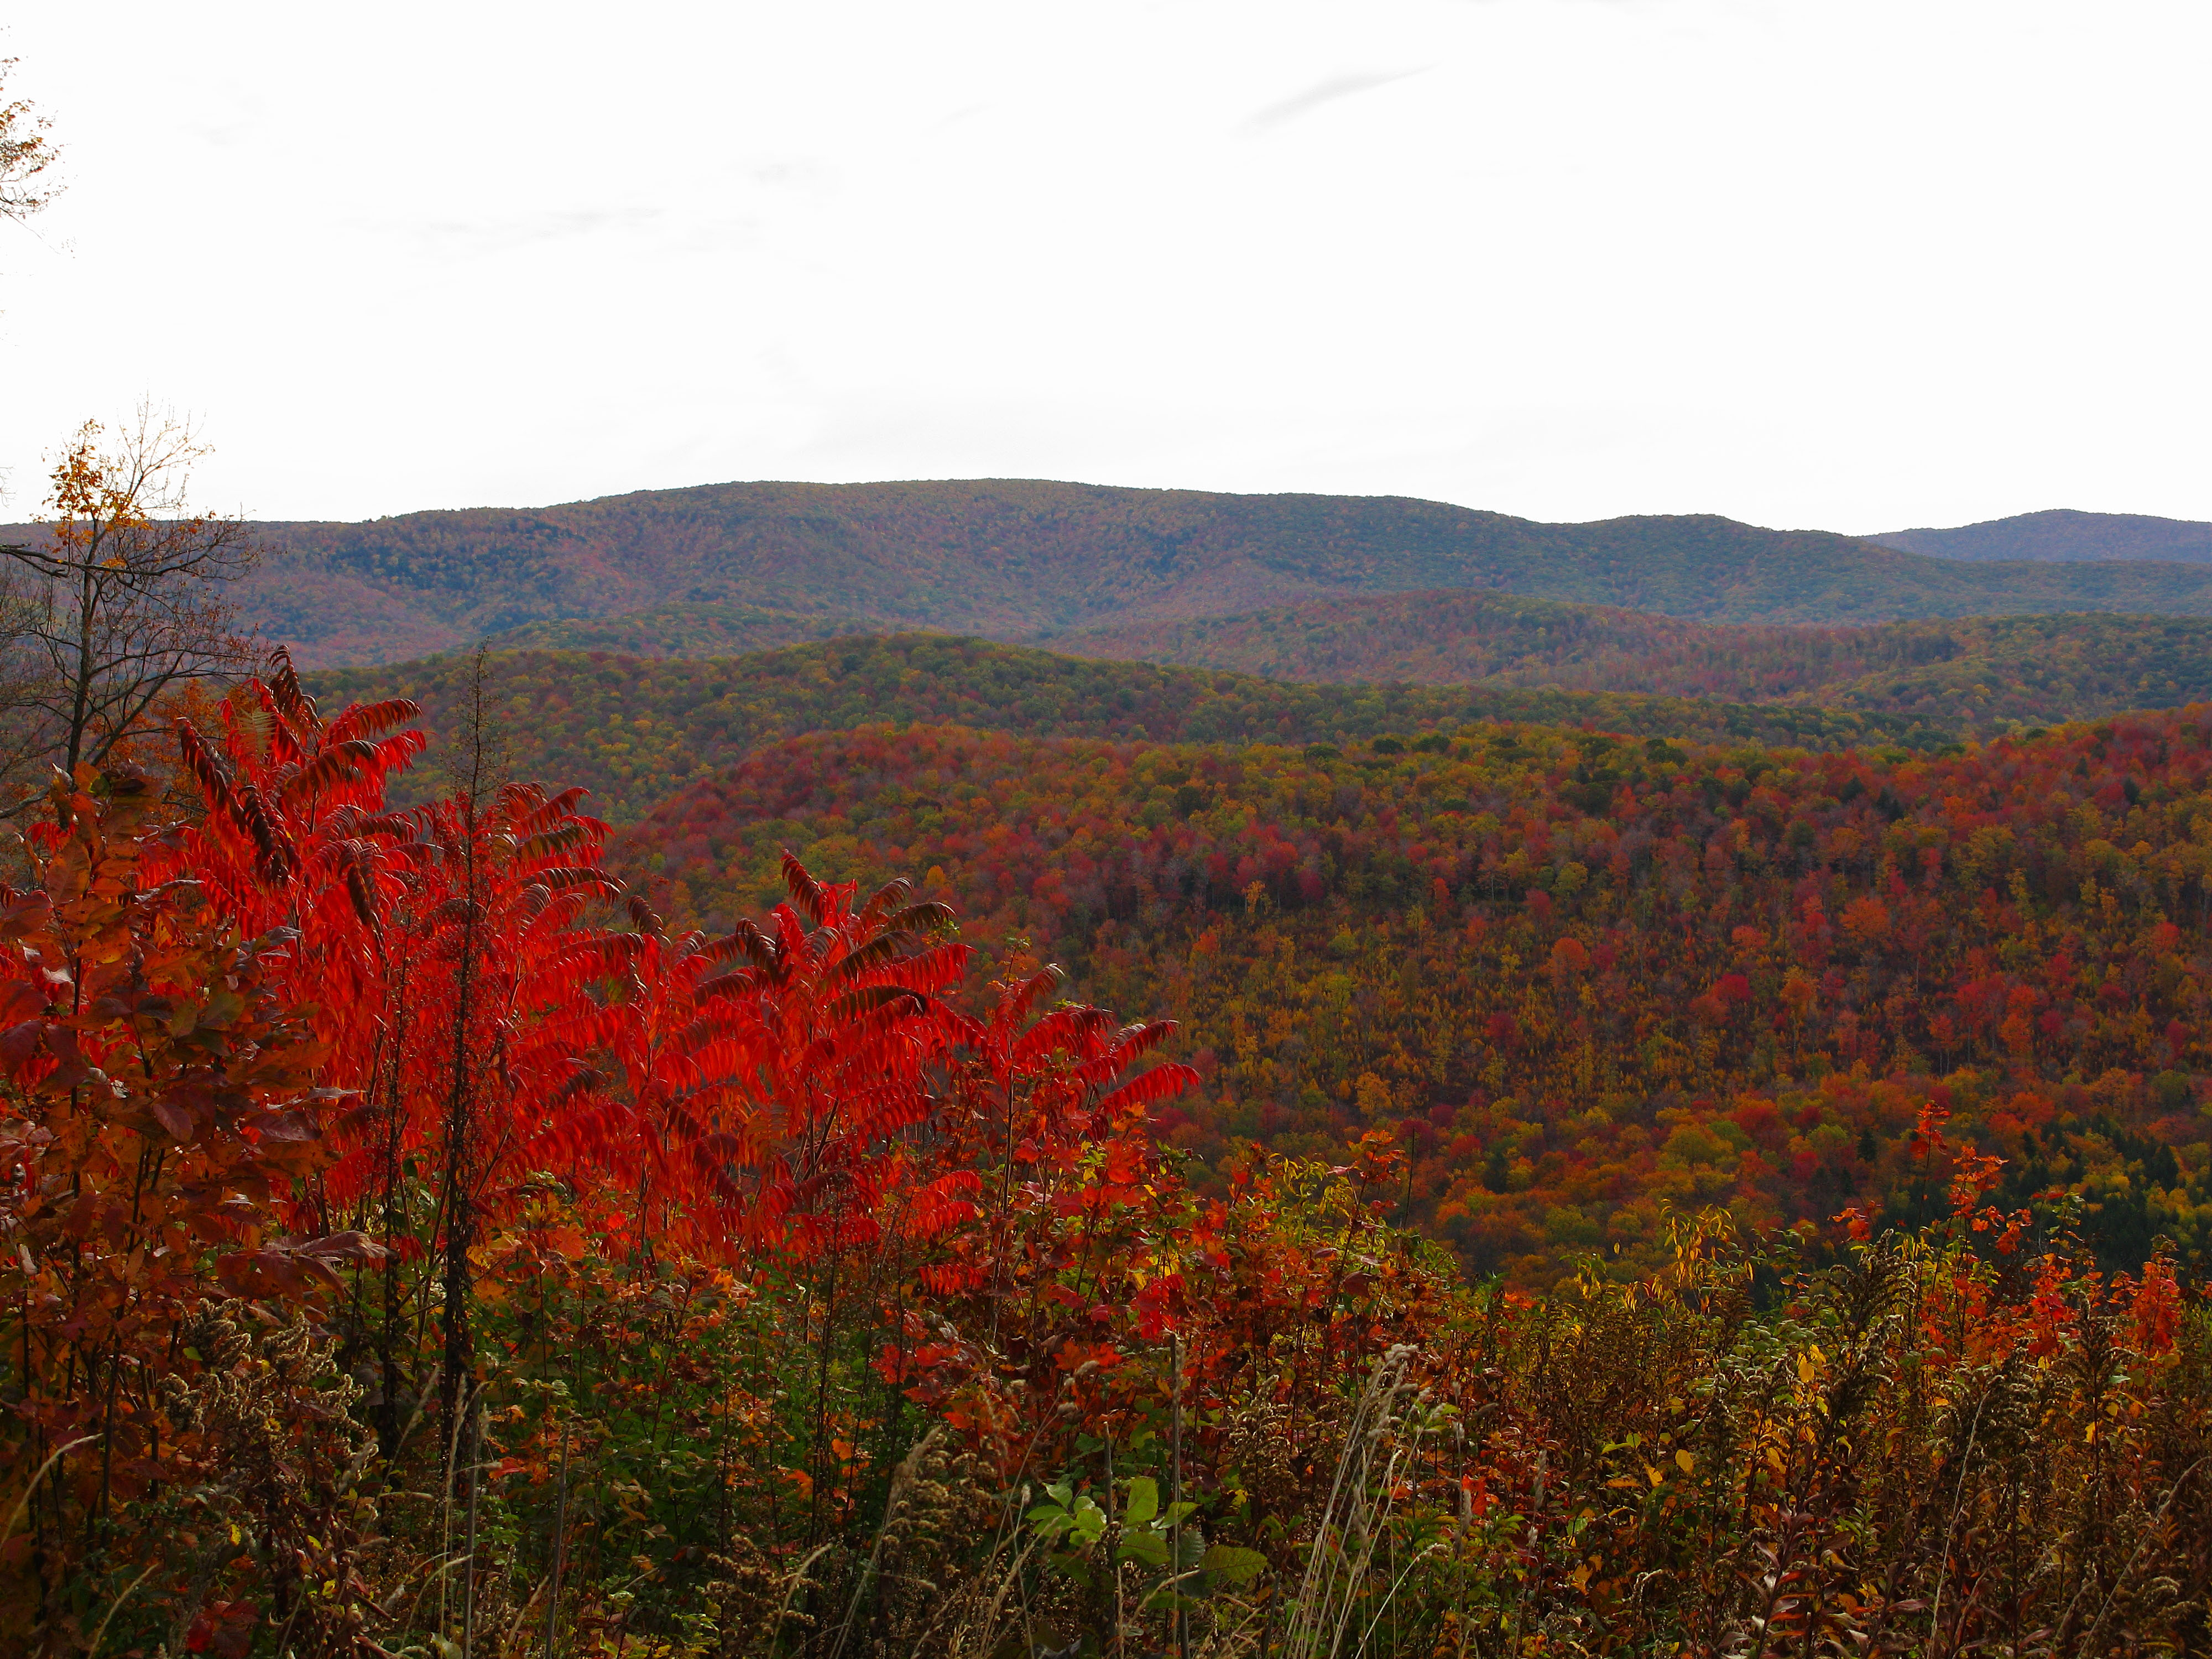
<point x="2062" y="535"/>
<point x="1025" y="560"/>
<point x="753" y="566"/>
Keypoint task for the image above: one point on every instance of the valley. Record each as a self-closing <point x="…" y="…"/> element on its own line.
<point x="1597" y="911"/>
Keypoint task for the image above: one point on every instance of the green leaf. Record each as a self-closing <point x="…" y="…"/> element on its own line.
<point x="1232" y="1565"/>
<point x="1089" y="1522"/>
<point x="222" y="1008"/>
<point x="1148" y="1547"/>
<point x="1144" y="1501"/>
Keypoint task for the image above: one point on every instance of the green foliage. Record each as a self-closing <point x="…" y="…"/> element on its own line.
<point x="684" y="627"/>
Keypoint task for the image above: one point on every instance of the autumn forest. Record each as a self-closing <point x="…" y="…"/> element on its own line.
<point x="1004" y="1070"/>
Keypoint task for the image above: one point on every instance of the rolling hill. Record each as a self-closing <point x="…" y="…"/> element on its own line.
<point x="683" y="629"/>
<point x="726" y="566"/>
<point x="2062" y="535"/>
<point x="632" y="730"/>
<point x="1971" y="675"/>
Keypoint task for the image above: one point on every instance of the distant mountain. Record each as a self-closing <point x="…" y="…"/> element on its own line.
<point x="732" y="567"/>
<point x="740" y="566"/>
<point x="2062" y="536"/>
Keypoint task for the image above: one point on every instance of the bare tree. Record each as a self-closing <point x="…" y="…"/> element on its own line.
<point x="117" y="601"/>
<point x="24" y="154"/>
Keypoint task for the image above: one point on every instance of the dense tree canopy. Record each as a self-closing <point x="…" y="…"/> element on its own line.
<point x="1583" y="979"/>
<point x="1975" y="676"/>
<point x="632" y="731"/>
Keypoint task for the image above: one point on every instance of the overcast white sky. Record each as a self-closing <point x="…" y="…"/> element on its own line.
<point x="1851" y="264"/>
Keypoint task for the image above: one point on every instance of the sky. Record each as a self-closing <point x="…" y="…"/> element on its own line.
<point x="1851" y="264"/>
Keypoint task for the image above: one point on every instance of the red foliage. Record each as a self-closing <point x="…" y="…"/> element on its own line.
<point x="224" y="1039"/>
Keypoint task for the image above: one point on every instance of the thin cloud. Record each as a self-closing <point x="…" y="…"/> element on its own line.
<point x="1321" y="91"/>
<point x="501" y="235"/>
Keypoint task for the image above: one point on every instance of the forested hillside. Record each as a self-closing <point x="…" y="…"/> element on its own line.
<point x="1585" y="982"/>
<point x="1971" y="675"/>
<point x="420" y="1247"/>
<point x="2064" y="535"/>
<point x="1019" y="560"/>
<point x="631" y="730"/>
<point x="683" y="628"/>
<point x="1980" y="674"/>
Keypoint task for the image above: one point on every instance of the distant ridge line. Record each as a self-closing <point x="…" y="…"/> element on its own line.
<point x="2062" y="535"/>
<point x="740" y="566"/>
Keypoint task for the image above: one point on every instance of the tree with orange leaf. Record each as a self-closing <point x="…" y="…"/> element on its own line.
<point x="116" y="603"/>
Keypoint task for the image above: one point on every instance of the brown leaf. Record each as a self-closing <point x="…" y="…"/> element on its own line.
<point x="351" y="1246"/>
<point x="19" y="1042"/>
